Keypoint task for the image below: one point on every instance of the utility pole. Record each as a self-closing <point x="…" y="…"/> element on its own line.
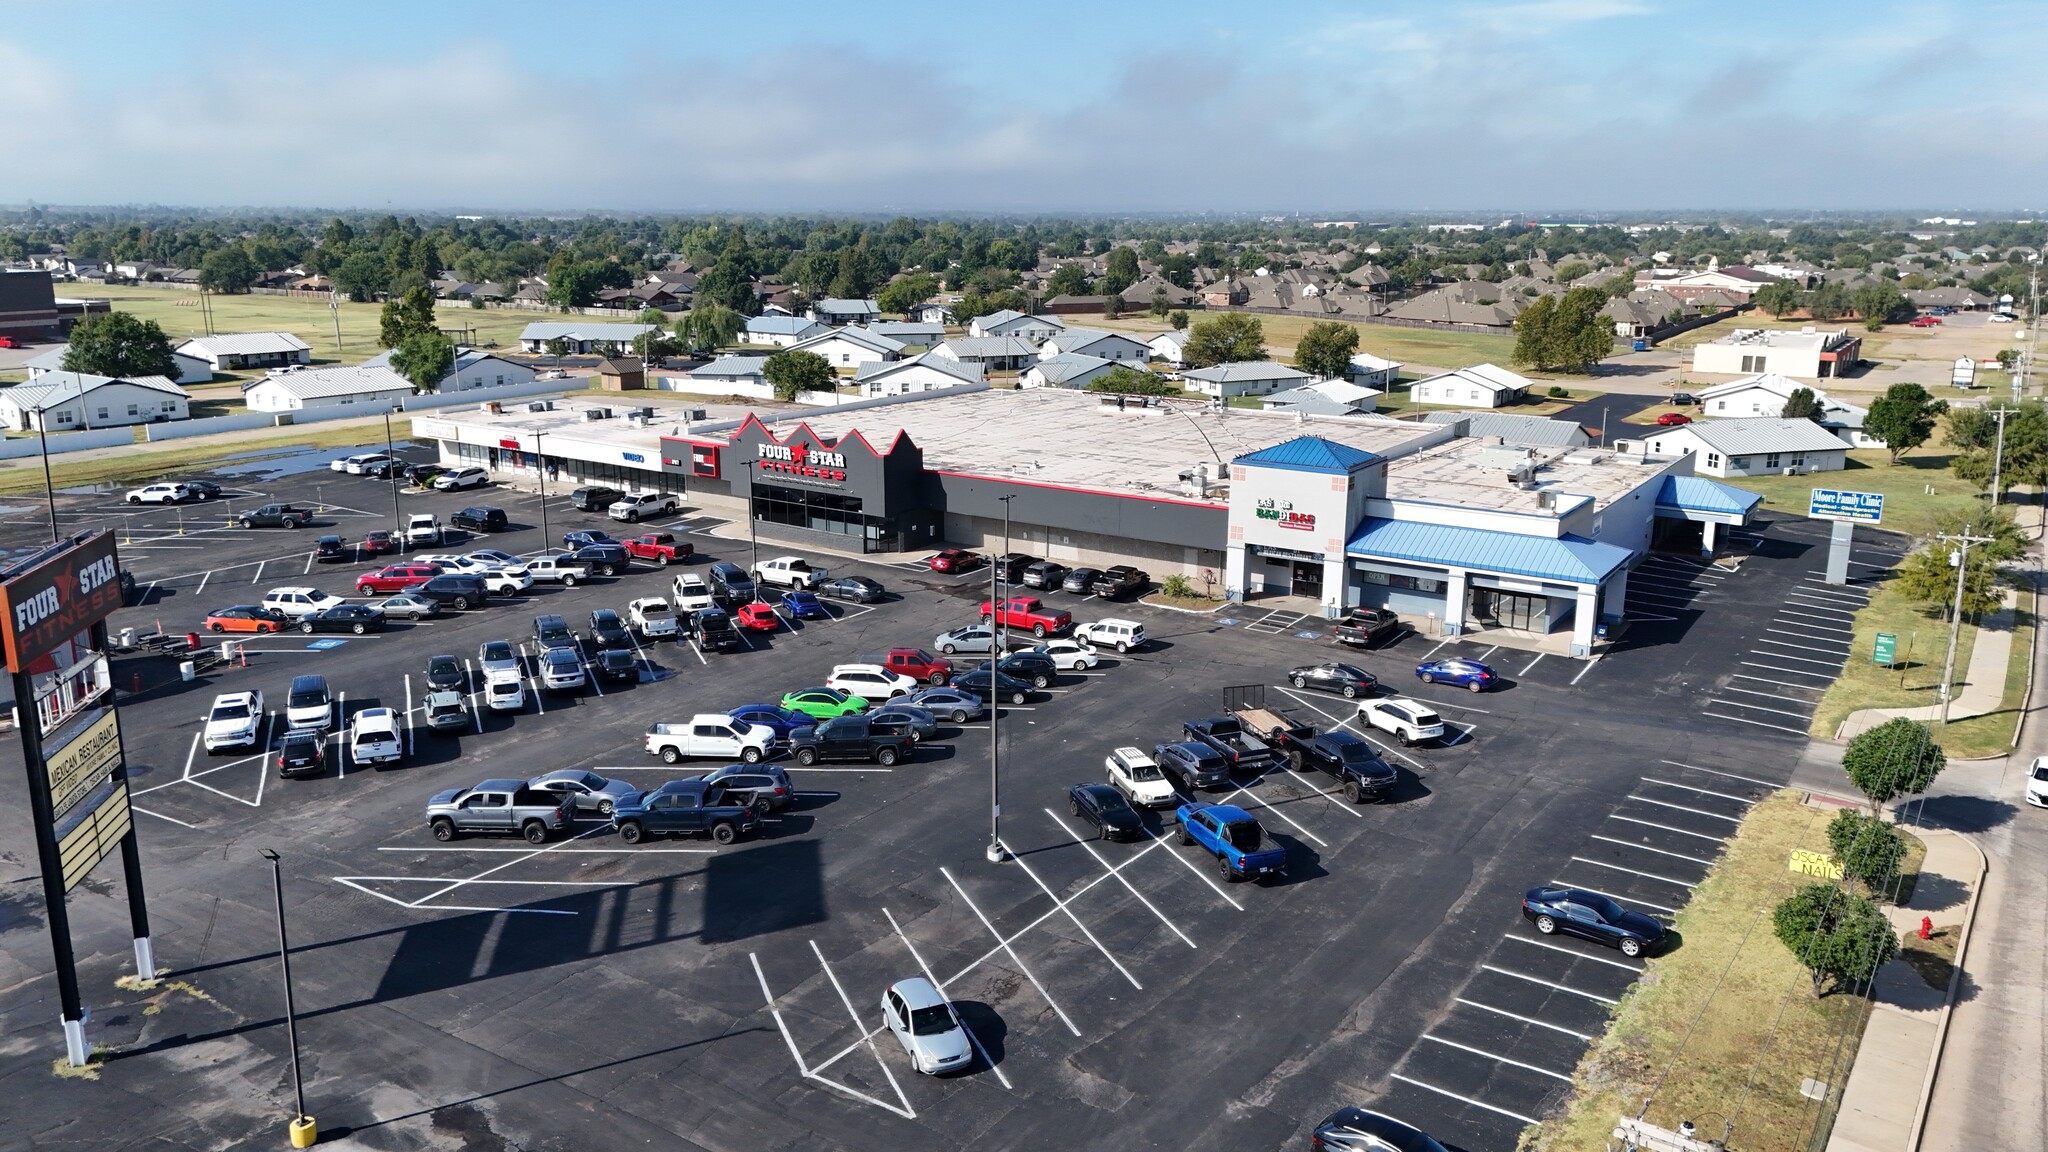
<point x="2021" y="378"/>
<point x="1998" y="457"/>
<point x="1961" y="559"/>
<point x="334" y="310"/>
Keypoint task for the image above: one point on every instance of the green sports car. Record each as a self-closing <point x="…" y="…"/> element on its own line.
<point x="824" y="703"/>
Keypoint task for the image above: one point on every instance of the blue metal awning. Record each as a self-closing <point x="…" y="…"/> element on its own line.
<point x="1698" y="498"/>
<point x="1567" y="559"/>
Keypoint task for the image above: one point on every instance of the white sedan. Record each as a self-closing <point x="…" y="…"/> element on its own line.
<point x="2037" y="782"/>
<point x="159" y="494"/>
<point x="1069" y="655"/>
<point x="1411" y="721"/>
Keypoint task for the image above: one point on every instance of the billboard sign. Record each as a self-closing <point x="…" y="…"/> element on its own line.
<point x="1860" y="507"/>
<point x="82" y="762"/>
<point x="70" y="588"/>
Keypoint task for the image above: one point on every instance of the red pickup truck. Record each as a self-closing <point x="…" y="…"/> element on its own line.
<point x="1027" y="612"/>
<point x="915" y="663"/>
<point x="395" y="578"/>
<point x="660" y="547"/>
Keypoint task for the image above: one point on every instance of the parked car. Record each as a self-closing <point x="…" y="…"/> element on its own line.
<point x="245" y="618"/>
<point x="377" y="543"/>
<point x="684" y="807"/>
<point x="653" y="617"/>
<point x="858" y="589"/>
<point x="915" y="663"/>
<point x="309" y="703"/>
<point x="954" y="560"/>
<point x="1026" y="613"/>
<point x="1010" y="566"/>
<point x="1672" y="419"/>
<point x="506" y="806"/>
<point x="1139" y="778"/>
<point x="276" y="516"/>
<point x="1068" y="655"/>
<point x="790" y="572"/>
<point x="495" y="656"/>
<point x="1348" y="680"/>
<point x="329" y="549"/>
<point x="1122" y="635"/>
<point x="1685" y="398"/>
<point x="561" y="670"/>
<point x="395" y="578"/>
<point x="468" y="476"/>
<point x="730" y="582"/>
<point x="608" y="631"/>
<point x="1923" y="322"/>
<point x="550" y="631"/>
<point x="804" y="606"/>
<point x="603" y="559"/>
<point x="1234" y="837"/>
<point x="355" y="618"/>
<point x="1106" y="808"/>
<point x="616" y="665"/>
<point x="421" y="530"/>
<point x="295" y="602"/>
<point x="1119" y="582"/>
<point x="1357" y="1130"/>
<point x="1362" y="627"/>
<point x="639" y="505"/>
<point x="779" y="721"/>
<point x="989" y="685"/>
<point x="661" y="547"/>
<point x="445" y="711"/>
<point x="691" y="592"/>
<point x="952" y="703"/>
<point x="1411" y="721"/>
<point x="504" y="691"/>
<point x="711" y="629"/>
<point x="848" y="738"/>
<point x="2037" y="782"/>
<point x="1030" y="665"/>
<point x="1459" y="673"/>
<point x="595" y="498"/>
<point x="421" y="475"/>
<point x="585" y="537"/>
<point x="407" y="605"/>
<point x="584" y="791"/>
<point x="1045" y="575"/>
<point x="824" y="703"/>
<point x="159" y="494"/>
<point x="755" y="616"/>
<point x="354" y="465"/>
<point x="1578" y="912"/>
<point x="373" y="737"/>
<point x="973" y="638"/>
<point x="923" y="1022"/>
<point x="763" y="787"/>
<point x="481" y="518"/>
<point x="1360" y="771"/>
<point x="1192" y="765"/>
<point x="234" y="720"/>
<point x="302" y="753"/>
<point x="919" y="724"/>
<point x="498" y="558"/>
<point x="563" y="569"/>
<point x="1080" y="581"/>
<point x="445" y="674"/>
<point x="869" y="681"/>
<point x="455" y="591"/>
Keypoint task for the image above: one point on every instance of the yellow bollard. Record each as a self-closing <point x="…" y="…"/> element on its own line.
<point x="304" y="1132"/>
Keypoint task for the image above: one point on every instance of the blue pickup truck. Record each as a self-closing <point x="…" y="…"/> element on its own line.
<point x="1234" y="837"/>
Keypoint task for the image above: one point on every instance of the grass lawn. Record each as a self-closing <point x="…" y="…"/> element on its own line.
<point x="1725" y="939"/>
<point x="1908" y="506"/>
<point x="1916" y="682"/>
<point x="1991" y="733"/>
<point x="1649" y="413"/>
<point x="177" y="311"/>
<point x="142" y="464"/>
<point x="1423" y="346"/>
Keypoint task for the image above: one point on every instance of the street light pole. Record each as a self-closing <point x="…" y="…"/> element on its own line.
<point x="1998" y="458"/>
<point x="540" y="469"/>
<point x="996" y="852"/>
<point x="397" y="520"/>
<point x="753" y="538"/>
<point x="49" y="486"/>
<point x="303" y="1130"/>
<point x="1961" y="559"/>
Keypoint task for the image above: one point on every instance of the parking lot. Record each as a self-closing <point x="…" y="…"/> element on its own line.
<point x="678" y="993"/>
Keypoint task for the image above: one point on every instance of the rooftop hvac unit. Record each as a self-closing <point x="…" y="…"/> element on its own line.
<point x="637" y="420"/>
<point x="493" y="407"/>
<point x="597" y="413"/>
<point x="537" y="406"/>
<point x="696" y="414"/>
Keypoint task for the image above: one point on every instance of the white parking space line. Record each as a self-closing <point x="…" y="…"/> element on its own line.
<point x="1572" y="952"/>
<point x="1531" y="666"/>
<point x="1497" y="1059"/>
<point x="1803" y="635"/>
<point x="1158" y="841"/>
<point x="1587" y="668"/>
<point x="161" y="816"/>
<point x="1068" y="911"/>
<point x="1836" y="664"/>
<point x="202" y="581"/>
<point x="804" y="1071"/>
<point x="1778" y="696"/>
<point x="1669" y="911"/>
<point x="1822" y="608"/>
<point x="1547" y="983"/>
<point x="259" y="571"/>
<point x="1258" y="803"/>
<point x="341" y="734"/>
<point x="1779" y="683"/>
<point x="1816" y="627"/>
<point x="947" y="997"/>
<point x="499" y="868"/>
<point x="805" y="768"/>
<point x="1118" y="875"/>
<point x="1757" y="723"/>
<point x="590" y="674"/>
<point x="1428" y="1087"/>
<point x="1701" y="791"/>
<point x="1363" y="732"/>
<point x="309" y="564"/>
<point x="1779" y="668"/>
<point x="408" y="714"/>
<point x="1489" y="652"/>
<point x="1684" y="808"/>
<point x="867" y="1037"/>
<point x="1668" y="828"/>
<point x="1524" y="1019"/>
<point x="1807" y="715"/>
<point x="532" y="689"/>
<point x="1011" y="951"/>
<point x="1633" y="872"/>
<point x="1646" y="848"/>
<point x="1335" y="798"/>
<point x="1719" y="772"/>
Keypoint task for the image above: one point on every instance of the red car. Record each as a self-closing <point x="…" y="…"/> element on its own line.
<point x="9" y="342"/>
<point x="377" y="544"/>
<point x="756" y="616"/>
<point x="1923" y="321"/>
<point x="1027" y="612"/>
<point x="955" y="560"/>
<point x="660" y="547"/>
<point x="1670" y="418"/>
<point x="395" y="578"/>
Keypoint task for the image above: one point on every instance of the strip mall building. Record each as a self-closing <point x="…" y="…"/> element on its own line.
<point x="1455" y="532"/>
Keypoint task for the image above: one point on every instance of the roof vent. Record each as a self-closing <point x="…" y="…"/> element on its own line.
<point x="537" y="406"/>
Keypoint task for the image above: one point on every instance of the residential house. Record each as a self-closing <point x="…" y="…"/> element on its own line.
<point x="1518" y="431"/>
<point x="841" y="312"/>
<point x="1071" y="305"/>
<point x="1229" y="292"/>
<point x="1246" y="378"/>
<point x="990" y="353"/>
<point x="1065" y="370"/>
<point x="73" y="401"/>
<point x="372" y="388"/>
<point x="1324" y="398"/>
<point x="928" y="372"/>
<point x="1479" y="386"/>
<point x="1170" y="347"/>
<point x="850" y="346"/>
<point x="474" y="368"/>
<point x="1008" y="322"/>
<point x="1737" y="279"/>
<point x="581" y="336"/>
<point x="1095" y="342"/>
<point x="1151" y="286"/>
<point x="1644" y="311"/>
<point x="911" y="333"/>
<point x="739" y="372"/>
<point x="780" y="331"/>
<point x="1370" y="371"/>
<point x="932" y="312"/>
<point x="639" y="297"/>
<point x="1756" y="446"/>
<point x="1465" y="302"/>
<point x="191" y="369"/>
<point x="1808" y="354"/>
<point x="236" y="350"/>
<point x="1765" y="395"/>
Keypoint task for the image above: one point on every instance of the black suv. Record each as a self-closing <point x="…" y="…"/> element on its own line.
<point x="1120" y="581"/>
<point x="730" y="582"/>
<point x="608" y="632"/>
<point x="454" y="590"/>
<point x="552" y="631"/>
<point x="603" y="559"/>
<point x="1035" y="668"/>
<point x="328" y="549"/>
<point x="595" y="499"/>
<point x="302" y="752"/>
<point x="482" y="518"/>
<point x="1010" y="566"/>
<point x="1046" y="575"/>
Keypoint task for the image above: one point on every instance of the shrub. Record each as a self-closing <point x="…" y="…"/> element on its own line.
<point x="1178" y="587"/>
<point x="1559" y="391"/>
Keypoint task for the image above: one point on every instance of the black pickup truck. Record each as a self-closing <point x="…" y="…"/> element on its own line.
<point x="848" y="738"/>
<point x="1238" y="746"/>
<point x="1356" y="764"/>
<point x="1366" y="626"/>
<point x="684" y="807"/>
<point x="276" y="516"/>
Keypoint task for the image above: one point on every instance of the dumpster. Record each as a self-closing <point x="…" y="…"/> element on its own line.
<point x="1641" y="344"/>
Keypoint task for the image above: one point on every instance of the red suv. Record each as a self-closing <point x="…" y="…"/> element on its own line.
<point x="395" y="578"/>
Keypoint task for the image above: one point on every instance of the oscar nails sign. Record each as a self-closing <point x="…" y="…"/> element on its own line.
<point x="1282" y="513"/>
<point x="75" y="587"/>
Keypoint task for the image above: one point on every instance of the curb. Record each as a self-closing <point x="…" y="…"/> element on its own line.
<point x="1190" y="611"/>
<point x="1948" y="1004"/>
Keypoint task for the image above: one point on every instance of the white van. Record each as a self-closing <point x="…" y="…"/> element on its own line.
<point x="504" y="691"/>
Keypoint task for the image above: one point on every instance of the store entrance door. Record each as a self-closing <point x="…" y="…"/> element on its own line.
<point x="1492" y="608"/>
<point x="1305" y="580"/>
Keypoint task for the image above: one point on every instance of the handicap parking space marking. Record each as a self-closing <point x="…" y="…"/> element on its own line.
<point x="452" y="883"/>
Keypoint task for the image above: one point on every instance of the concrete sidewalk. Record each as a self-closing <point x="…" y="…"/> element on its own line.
<point x="1980" y="690"/>
<point x="1886" y="1096"/>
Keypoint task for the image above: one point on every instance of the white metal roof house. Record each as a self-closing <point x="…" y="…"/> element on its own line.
<point x="1010" y="322"/>
<point x="1757" y="446"/>
<point x="473" y="369"/>
<point x="780" y="331"/>
<point x="1374" y="371"/>
<point x="1066" y="370"/>
<point x="373" y="387"/>
<point x="993" y="353"/>
<point x="1479" y="386"/>
<point x="1519" y="431"/>
<point x="849" y="347"/>
<point x="1170" y="347"/>
<point x="917" y="332"/>
<point x="232" y="350"/>
<point x="191" y="369"/>
<point x="922" y="373"/>
<point x="1324" y="398"/>
<point x="836" y="312"/>
<point x="71" y="401"/>
<point x="1765" y="394"/>
<point x="1095" y="342"/>
<point x="932" y="312"/>
<point x="581" y="336"/>
<point x="1247" y="378"/>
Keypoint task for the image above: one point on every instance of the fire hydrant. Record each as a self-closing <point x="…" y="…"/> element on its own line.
<point x="1926" y="927"/>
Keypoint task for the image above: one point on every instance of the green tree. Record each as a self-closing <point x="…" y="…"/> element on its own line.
<point x="120" y="344"/>
<point x="1802" y="405"/>
<point x="1779" y="298"/>
<point x="1569" y="271"/>
<point x="1881" y="304"/>
<point x="1897" y="758"/>
<point x="1068" y="279"/>
<point x="575" y="284"/>
<point x="1112" y="306"/>
<point x="408" y="315"/>
<point x="1133" y="382"/>
<point x="1903" y="418"/>
<point x="1325" y="349"/>
<point x="558" y="347"/>
<point x="857" y="275"/>
<point x="362" y="276"/>
<point x="1179" y="319"/>
<point x="1161" y="302"/>
<point x="906" y="292"/>
<point x="1840" y="937"/>
<point x="1928" y="578"/>
<point x="1120" y="271"/>
<point x="228" y="269"/>
<point x="1229" y="338"/>
<point x="794" y="372"/>
<point x="1830" y="301"/>
<point x="1580" y="336"/>
<point x="710" y="326"/>
<point x="1870" y="849"/>
<point x="424" y="358"/>
<point x="1532" y="333"/>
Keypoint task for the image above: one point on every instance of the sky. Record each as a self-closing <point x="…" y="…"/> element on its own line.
<point x="1273" y="106"/>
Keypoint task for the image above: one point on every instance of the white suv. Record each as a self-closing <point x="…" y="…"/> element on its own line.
<point x="159" y="494"/>
<point x="1138" y="777"/>
<point x="504" y="691"/>
<point x="469" y="477"/>
<point x="297" y="602"/>
<point x="1409" y="720"/>
<point x="1122" y="635"/>
<point x="234" y="721"/>
<point x="870" y="681"/>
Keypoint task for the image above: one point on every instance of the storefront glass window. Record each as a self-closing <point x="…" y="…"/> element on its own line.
<point x="817" y="511"/>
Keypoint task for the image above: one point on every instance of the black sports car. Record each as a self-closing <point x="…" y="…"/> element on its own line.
<point x="356" y="618"/>
<point x="1593" y="916"/>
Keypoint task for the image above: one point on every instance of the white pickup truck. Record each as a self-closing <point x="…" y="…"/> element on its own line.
<point x="712" y="734"/>
<point x="790" y="572"/>
<point x="636" y="506"/>
<point x="422" y="528"/>
<point x="557" y="570"/>
<point x="373" y="737"/>
<point x="652" y="616"/>
<point x="692" y="593"/>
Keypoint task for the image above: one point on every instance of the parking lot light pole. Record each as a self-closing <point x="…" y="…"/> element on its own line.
<point x="540" y="469"/>
<point x="753" y="539"/>
<point x="303" y="1130"/>
<point x="391" y="470"/>
<point x="49" y="486"/>
<point x="996" y="853"/>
